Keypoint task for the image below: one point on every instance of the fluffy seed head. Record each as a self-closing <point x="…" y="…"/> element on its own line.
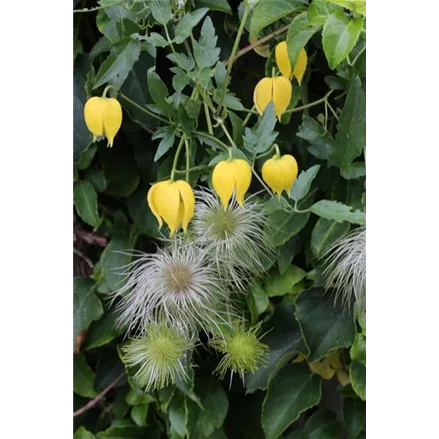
<point x="233" y="239"/>
<point x="177" y="285"/>
<point x="345" y="269"/>
<point x="157" y="357"/>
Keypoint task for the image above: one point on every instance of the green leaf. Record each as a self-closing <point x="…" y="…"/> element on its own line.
<point x="178" y="414"/>
<point x="136" y="396"/>
<point x="357" y="374"/>
<point x="82" y="433"/>
<point x="321" y="142"/>
<point x="187" y="63"/>
<point x="340" y="33"/>
<point x="138" y="414"/>
<point x="325" y="326"/>
<point x="159" y="92"/>
<point x="257" y="300"/>
<point x="321" y="425"/>
<point x="354" y="416"/>
<point x="119" y="63"/>
<point x="86" y="201"/>
<point x="333" y="210"/>
<point x="130" y="432"/>
<point x="161" y="11"/>
<point x="269" y="11"/>
<point x="237" y="128"/>
<point x="205" y="51"/>
<point x="187" y="23"/>
<point x="353" y="5"/>
<point x="215" y="5"/>
<point x="281" y="284"/>
<point x="319" y="11"/>
<point x="324" y="235"/>
<point x="168" y="138"/>
<point x="102" y="331"/>
<point x="155" y="39"/>
<point x="292" y="391"/>
<point x="121" y="172"/>
<point x="180" y="80"/>
<point x="358" y="349"/>
<point x="282" y="226"/>
<point x="83" y="377"/>
<point x="82" y="138"/>
<point x="86" y="157"/>
<point x="260" y="138"/>
<point x="284" y="339"/>
<point x="299" y="33"/>
<point x="232" y="102"/>
<point x="351" y="135"/>
<point x="96" y="177"/>
<point x="86" y="306"/>
<point x="287" y="252"/>
<point x="302" y="185"/>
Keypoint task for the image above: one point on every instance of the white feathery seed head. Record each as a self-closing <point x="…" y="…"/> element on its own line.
<point x="345" y="268"/>
<point x="176" y="286"/>
<point x="233" y="239"/>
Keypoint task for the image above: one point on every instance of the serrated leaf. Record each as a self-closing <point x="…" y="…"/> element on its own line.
<point x="354" y="416"/>
<point x="155" y="39"/>
<point x="324" y="235"/>
<point x="357" y="375"/>
<point x="321" y="143"/>
<point x="86" y="202"/>
<point x="269" y="11"/>
<point x="237" y="128"/>
<point x="187" y="63"/>
<point x="353" y="5"/>
<point x="333" y="210"/>
<point x="319" y="11"/>
<point x="83" y="377"/>
<point x="299" y="33"/>
<point x="161" y="11"/>
<point x="119" y="63"/>
<point x="165" y="144"/>
<point x="260" y="138"/>
<point x="302" y="185"/>
<point x="325" y="325"/>
<point x="205" y="51"/>
<point x="340" y="33"/>
<point x="292" y="391"/>
<point x="159" y="92"/>
<point x="187" y="23"/>
<point x="102" y="331"/>
<point x="82" y="433"/>
<point x="281" y="284"/>
<point x="215" y="5"/>
<point x="86" y="306"/>
<point x="351" y="135"/>
<point x="284" y="339"/>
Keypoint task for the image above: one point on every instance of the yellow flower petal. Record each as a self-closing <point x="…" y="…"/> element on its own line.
<point x="343" y="377"/>
<point x="94" y="110"/>
<point x="322" y="368"/>
<point x="263" y="94"/>
<point x="152" y="204"/>
<point x="290" y="170"/>
<point x="300" y="67"/>
<point x="274" y="175"/>
<point x="188" y="199"/>
<point x="282" y="91"/>
<point x="282" y="60"/>
<point x="112" y="119"/>
<point x="334" y="360"/>
<point x="223" y="181"/>
<point x="243" y="178"/>
<point x="167" y="200"/>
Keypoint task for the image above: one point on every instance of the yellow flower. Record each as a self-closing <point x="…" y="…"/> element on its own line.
<point x="278" y="90"/>
<point x="229" y="175"/>
<point x="103" y="116"/>
<point x="280" y="173"/>
<point x="173" y="202"/>
<point x="284" y="65"/>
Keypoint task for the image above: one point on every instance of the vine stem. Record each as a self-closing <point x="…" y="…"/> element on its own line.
<point x="94" y="401"/>
<point x="187" y="157"/>
<point x="262" y="181"/>
<point x="358" y="55"/>
<point x="169" y="40"/>
<point x="177" y="155"/>
<point x="226" y="132"/>
<point x="97" y="8"/>
<point x="213" y="138"/>
<point x="145" y="110"/>
<point x="232" y="55"/>
<point x="311" y="104"/>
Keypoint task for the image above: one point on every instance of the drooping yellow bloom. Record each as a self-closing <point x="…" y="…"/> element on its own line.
<point x="284" y="65"/>
<point x="278" y="90"/>
<point x="173" y="202"/>
<point x="280" y="173"/>
<point x="103" y="116"/>
<point x="229" y="175"/>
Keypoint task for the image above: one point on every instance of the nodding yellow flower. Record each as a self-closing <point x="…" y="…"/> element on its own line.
<point x="103" y="116"/>
<point x="173" y="202"/>
<point x="278" y="90"/>
<point x="284" y="65"/>
<point x="229" y="175"/>
<point x="280" y="173"/>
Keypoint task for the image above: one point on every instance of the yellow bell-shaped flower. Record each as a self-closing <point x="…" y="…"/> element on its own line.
<point x="230" y="175"/>
<point x="280" y="173"/>
<point x="103" y="116"/>
<point x="277" y="89"/>
<point x="173" y="202"/>
<point x="284" y="65"/>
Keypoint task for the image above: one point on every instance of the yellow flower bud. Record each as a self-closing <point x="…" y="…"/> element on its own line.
<point x="173" y="202"/>
<point x="103" y="116"/>
<point x="284" y="65"/>
<point x="343" y="378"/>
<point x="278" y="90"/>
<point x="322" y="368"/>
<point x="280" y="173"/>
<point x="230" y="175"/>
